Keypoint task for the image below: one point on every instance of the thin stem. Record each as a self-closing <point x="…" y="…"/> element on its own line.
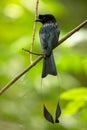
<point x="41" y="57"/>
<point x="34" y="31"/>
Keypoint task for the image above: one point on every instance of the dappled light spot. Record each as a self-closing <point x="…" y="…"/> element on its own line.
<point x="13" y="11"/>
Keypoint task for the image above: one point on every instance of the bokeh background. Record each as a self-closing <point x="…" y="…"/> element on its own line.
<point x="21" y="106"/>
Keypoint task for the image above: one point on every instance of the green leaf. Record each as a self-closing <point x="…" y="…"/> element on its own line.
<point x="76" y="94"/>
<point x="73" y="107"/>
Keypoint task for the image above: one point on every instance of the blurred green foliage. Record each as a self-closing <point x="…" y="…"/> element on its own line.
<point x="21" y="105"/>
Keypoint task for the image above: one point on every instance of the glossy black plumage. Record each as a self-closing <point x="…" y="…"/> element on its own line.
<point x="47" y="115"/>
<point x="49" y="35"/>
<point x="58" y="113"/>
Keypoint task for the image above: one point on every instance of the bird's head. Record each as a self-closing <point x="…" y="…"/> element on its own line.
<point x="46" y="18"/>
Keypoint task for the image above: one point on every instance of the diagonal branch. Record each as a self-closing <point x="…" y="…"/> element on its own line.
<point x="71" y="32"/>
<point x="20" y="75"/>
<point x="41" y="57"/>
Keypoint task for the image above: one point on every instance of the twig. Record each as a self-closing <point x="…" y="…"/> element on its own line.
<point x="38" y="54"/>
<point x="34" y="31"/>
<point x="41" y="57"/>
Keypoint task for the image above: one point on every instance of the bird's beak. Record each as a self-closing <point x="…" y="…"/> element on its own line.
<point x="37" y="20"/>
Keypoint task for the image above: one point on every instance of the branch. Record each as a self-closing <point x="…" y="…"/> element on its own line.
<point x="20" y="75"/>
<point x="71" y="32"/>
<point x="41" y="57"/>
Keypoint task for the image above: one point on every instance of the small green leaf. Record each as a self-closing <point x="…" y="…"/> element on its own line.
<point x="75" y="94"/>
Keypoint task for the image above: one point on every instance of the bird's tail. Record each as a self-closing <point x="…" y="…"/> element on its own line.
<point x="49" y="66"/>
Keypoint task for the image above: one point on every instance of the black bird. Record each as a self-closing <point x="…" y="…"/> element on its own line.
<point x="49" y="35"/>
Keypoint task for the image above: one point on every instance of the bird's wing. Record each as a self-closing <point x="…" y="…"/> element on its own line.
<point x="44" y="36"/>
<point x="54" y="35"/>
<point x="49" y="35"/>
